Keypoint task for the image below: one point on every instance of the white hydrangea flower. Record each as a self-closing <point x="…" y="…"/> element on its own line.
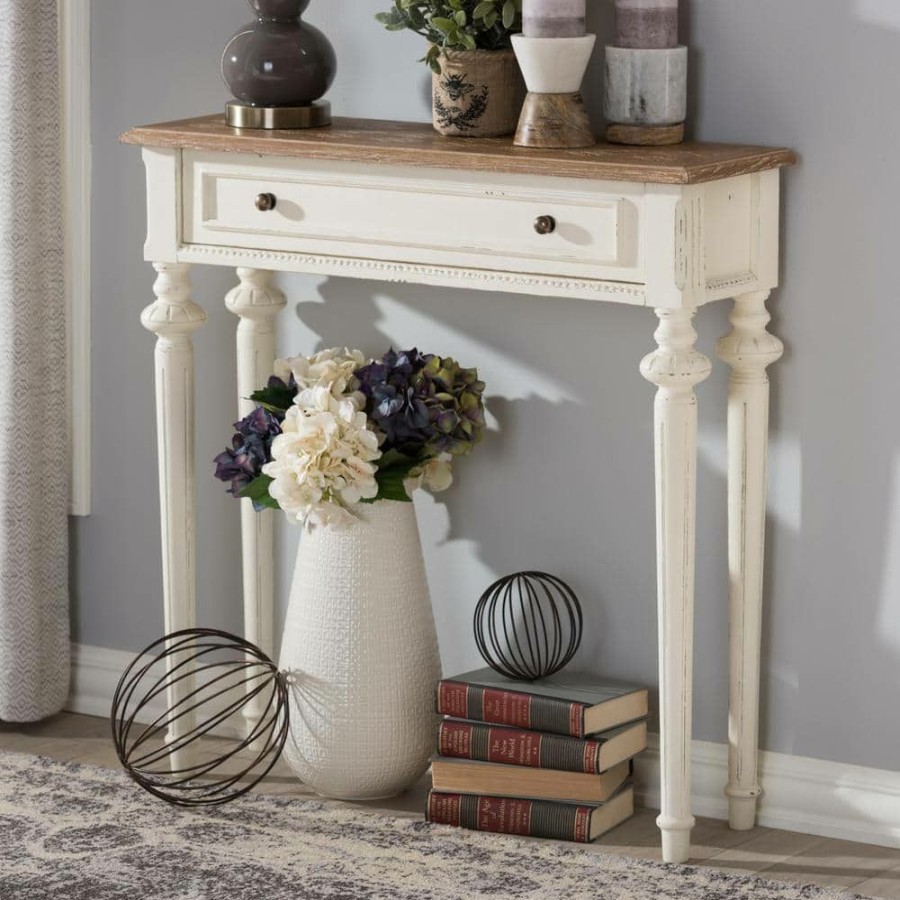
<point x="332" y="368"/>
<point x="435" y="474"/>
<point x="438" y="474"/>
<point x="330" y="515"/>
<point x="322" y="463"/>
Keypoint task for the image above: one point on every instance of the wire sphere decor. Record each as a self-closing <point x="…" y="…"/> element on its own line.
<point x="178" y="691"/>
<point x="528" y="625"/>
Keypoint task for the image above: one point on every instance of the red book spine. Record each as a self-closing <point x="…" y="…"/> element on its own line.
<point x="443" y="809"/>
<point x="455" y="739"/>
<point x="582" y="832"/>
<point x="453" y="699"/>
<point x="504" y="815"/>
<point x="506" y="707"/>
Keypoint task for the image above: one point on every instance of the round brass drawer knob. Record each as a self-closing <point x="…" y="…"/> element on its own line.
<point x="545" y="224"/>
<point x="265" y="202"/>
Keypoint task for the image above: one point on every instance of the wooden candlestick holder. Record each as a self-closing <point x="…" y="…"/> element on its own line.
<point x="554" y="115"/>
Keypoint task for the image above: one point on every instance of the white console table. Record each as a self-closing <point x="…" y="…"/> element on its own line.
<point x="669" y="228"/>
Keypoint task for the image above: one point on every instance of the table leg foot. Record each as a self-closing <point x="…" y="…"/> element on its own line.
<point x="741" y="810"/>
<point x="676" y="840"/>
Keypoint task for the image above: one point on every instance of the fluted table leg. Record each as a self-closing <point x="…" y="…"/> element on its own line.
<point x="748" y="349"/>
<point x="173" y="318"/>
<point x="257" y="302"/>
<point x="675" y="368"/>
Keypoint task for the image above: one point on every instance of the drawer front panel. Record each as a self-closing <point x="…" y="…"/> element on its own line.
<point x="371" y="212"/>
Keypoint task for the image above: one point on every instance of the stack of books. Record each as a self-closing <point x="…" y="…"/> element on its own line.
<point x="549" y="758"/>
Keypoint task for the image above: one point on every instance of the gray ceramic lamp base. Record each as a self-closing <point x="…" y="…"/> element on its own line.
<point x="278" y="118"/>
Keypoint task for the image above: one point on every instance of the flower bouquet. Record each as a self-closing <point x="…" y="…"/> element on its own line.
<point x="334" y="430"/>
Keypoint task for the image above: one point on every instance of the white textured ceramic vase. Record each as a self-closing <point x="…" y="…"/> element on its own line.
<point x="361" y="647"/>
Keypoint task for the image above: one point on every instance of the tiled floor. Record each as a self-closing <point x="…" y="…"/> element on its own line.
<point x="781" y="855"/>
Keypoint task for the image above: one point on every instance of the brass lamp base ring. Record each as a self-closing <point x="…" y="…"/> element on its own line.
<point x="273" y="118"/>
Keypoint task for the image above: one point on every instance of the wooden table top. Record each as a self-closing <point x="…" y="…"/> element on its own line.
<point x="417" y="144"/>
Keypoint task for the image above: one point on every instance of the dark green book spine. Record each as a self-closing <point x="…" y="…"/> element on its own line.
<point x="517" y="747"/>
<point x="511" y="815"/>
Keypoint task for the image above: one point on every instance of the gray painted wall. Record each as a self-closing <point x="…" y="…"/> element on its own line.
<point x="566" y="483"/>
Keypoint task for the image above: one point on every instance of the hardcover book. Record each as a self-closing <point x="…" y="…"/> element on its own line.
<point x="569" y="704"/>
<point x="535" y="749"/>
<point x="466" y="776"/>
<point x="533" y="818"/>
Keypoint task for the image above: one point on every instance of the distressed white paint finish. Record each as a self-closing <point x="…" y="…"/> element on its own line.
<point x="257" y="301"/>
<point x="675" y="368"/>
<point x="748" y="349"/>
<point x="163" y="168"/>
<point x="420" y="273"/>
<point x="415" y="216"/>
<point x="670" y="247"/>
<point x="173" y="318"/>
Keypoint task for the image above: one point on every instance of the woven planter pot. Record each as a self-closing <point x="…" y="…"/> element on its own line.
<point x="479" y="93"/>
<point x="360" y="643"/>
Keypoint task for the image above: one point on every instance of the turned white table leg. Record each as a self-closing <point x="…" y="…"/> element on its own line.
<point x="675" y="368"/>
<point x="257" y="301"/>
<point x="748" y="349"/>
<point x="173" y="318"/>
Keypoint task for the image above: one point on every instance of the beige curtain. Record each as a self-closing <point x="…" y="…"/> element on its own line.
<point x="34" y="603"/>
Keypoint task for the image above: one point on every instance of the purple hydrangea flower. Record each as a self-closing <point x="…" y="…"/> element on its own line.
<point x="425" y="405"/>
<point x="392" y="402"/>
<point x="251" y="449"/>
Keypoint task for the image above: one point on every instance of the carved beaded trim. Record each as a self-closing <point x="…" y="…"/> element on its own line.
<point x="738" y="281"/>
<point x="409" y="271"/>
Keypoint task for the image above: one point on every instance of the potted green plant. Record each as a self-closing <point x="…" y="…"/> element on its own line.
<point x="478" y="89"/>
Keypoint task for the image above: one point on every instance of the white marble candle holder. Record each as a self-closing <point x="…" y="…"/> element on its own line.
<point x="646" y="89"/>
<point x="554" y="115"/>
<point x="553" y="65"/>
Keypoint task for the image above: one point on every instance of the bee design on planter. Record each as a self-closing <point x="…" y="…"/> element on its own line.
<point x="456" y="87"/>
<point x="469" y="103"/>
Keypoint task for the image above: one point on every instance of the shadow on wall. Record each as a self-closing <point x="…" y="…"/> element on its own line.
<point x="555" y="487"/>
<point x="782" y="73"/>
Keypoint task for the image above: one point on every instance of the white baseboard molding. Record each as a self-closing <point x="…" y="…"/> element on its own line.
<point x="800" y="794"/>
<point x="810" y="796"/>
<point x="95" y="675"/>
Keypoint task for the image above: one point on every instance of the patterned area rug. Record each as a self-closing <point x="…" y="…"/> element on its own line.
<point x="73" y="832"/>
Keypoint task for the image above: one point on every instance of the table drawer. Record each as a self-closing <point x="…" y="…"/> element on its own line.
<point x="434" y="216"/>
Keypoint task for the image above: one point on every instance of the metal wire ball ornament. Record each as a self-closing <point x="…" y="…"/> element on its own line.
<point x="202" y="678"/>
<point x="528" y="625"/>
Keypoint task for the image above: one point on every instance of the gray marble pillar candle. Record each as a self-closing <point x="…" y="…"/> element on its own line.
<point x="647" y="24"/>
<point x="645" y="87"/>
<point x="553" y="18"/>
